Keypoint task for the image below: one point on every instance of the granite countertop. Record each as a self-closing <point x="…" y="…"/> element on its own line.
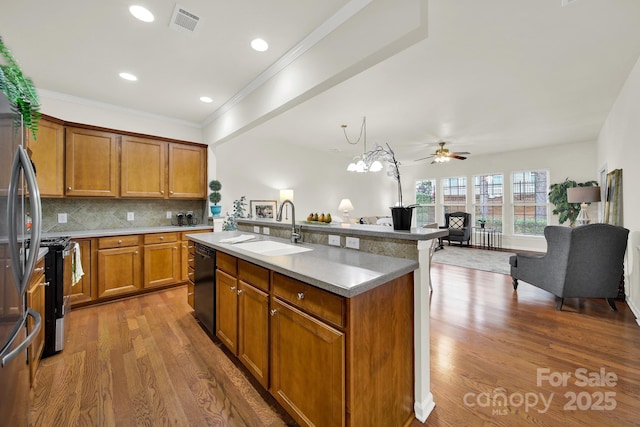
<point x="124" y="231"/>
<point x="416" y="233"/>
<point x="345" y="272"/>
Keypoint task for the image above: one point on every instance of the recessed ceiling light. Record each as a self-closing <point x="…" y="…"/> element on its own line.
<point x="141" y="13"/>
<point x="259" y="45"/>
<point x="206" y="99"/>
<point x="128" y="76"/>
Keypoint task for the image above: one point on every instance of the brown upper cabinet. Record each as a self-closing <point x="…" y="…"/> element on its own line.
<point x="187" y="171"/>
<point x="143" y="167"/>
<point x="91" y="163"/>
<point x="47" y="153"/>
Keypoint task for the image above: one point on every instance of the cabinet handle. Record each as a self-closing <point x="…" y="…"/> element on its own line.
<point x="189" y="294"/>
<point x="45" y="284"/>
<point x="39" y="269"/>
<point x="273" y="312"/>
<point x="161" y="237"/>
<point x="300" y="295"/>
<point x="68" y="188"/>
<point x="175" y="248"/>
<point x="170" y="192"/>
<point x="190" y="260"/>
<point x="161" y="191"/>
<point x="119" y="242"/>
<point x="135" y="253"/>
<point x="239" y="291"/>
<point x="233" y="288"/>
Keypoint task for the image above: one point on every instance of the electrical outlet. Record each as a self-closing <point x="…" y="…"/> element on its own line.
<point x="353" y="243"/>
<point x="62" y="218"/>
<point x="265" y="230"/>
<point x="334" y="240"/>
<point x="169" y="215"/>
<point x="130" y="216"/>
<point x="256" y="229"/>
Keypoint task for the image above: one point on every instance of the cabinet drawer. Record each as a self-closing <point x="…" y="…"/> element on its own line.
<point x="118" y="241"/>
<point x="38" y="272"/>
<point x="253" y="274"/>
<point x="227" y="263"/>
<point x="325" y="305"/>
<point x="191" y="274"/>
<point x="150" y="239"/>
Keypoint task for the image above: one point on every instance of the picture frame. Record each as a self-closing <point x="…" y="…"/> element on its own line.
<point x="613" y="201"/>
<point x="263" y="209"/>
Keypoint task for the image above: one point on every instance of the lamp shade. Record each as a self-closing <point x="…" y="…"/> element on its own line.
<point x="286" y="195"/>
<point x="583" y="194"/>
<point x="345" y="205"/>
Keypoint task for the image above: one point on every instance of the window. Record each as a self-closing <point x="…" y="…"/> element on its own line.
<point x="488" y="199"/>
<point x="426" y="196"/>
<point x="454" y="194"/>
<point x="530" y="202"/>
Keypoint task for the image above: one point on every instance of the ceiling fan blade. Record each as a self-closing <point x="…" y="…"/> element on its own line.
<point x="424" y="158"/>
<point x="454" y="156"/>
<point x="461" y="153"/>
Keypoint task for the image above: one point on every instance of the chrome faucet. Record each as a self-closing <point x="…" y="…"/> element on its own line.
<point x="295" y="236"/>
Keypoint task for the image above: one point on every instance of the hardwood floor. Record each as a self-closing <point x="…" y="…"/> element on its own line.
<point x="146" y="361"/>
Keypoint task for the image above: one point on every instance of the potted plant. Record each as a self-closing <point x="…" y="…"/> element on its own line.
<point x="19" y="90"/>
<point x="215" y="197"/>
<point x="558" y="196"/>
<point x="231" y="223"/>
<point x="482" y="222"/>
<point x="401" y="214"/>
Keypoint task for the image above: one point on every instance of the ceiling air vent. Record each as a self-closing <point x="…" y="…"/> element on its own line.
<point x="183" y="20"/>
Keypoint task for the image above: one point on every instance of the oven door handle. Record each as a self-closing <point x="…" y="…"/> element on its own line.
<point x="7" y="356"/>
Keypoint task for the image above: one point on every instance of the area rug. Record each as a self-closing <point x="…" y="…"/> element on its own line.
<point x="479" y="259"/>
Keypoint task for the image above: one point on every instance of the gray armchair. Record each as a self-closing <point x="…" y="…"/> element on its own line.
<point x="581" y="262"/>
<point x="459" y="226"/>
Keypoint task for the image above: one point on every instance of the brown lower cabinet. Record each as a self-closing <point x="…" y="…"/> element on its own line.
<point x="82" y="291"/>
<point x="35" y="300"/>
<point x="119" y="265"/>
<point x="327" y="359"/>
<point x="161" y="259"/>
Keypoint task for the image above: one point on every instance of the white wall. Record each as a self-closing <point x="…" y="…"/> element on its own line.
<point x="618" y="148"/>
<point x="319" y="178"/>
<point x="84" y="111"/>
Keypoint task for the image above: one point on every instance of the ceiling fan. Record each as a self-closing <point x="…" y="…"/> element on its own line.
<point x="443" y="155"/>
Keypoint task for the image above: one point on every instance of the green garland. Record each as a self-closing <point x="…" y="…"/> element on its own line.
<point x="20" y="91"/>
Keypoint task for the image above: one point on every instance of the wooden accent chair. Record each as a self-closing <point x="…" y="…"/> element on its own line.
<point x="581" y="262"/>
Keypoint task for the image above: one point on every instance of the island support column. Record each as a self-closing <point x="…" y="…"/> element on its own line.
<point x="424" y="403"/>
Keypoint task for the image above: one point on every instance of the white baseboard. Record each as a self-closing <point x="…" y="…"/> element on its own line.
<point x="424" y="408"/>
<point x="634" y="310"/>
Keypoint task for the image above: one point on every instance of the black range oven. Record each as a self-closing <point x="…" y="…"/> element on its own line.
<point x="58" y="265"/>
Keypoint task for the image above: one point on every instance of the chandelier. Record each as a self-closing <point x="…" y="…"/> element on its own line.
<point x="366" y="162"/>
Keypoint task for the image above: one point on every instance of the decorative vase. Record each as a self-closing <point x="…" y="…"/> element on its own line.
<point x="402" y="217"/>
<point x="482" y="225"/>
<point x="215" y="210"/>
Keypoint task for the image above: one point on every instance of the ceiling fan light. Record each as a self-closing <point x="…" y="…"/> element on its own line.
<point x="352" y="167"/>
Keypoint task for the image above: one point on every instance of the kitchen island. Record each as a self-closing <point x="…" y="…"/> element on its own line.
<point x="340" y="325"/>
<point x="415" y="244"/>
<point x="327" y="331"/>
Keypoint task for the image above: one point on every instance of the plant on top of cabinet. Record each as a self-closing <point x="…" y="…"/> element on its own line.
<point x="215" y="197"/>
<point x="19" y="90"/>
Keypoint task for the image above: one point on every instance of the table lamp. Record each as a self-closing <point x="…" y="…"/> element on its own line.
<point x="345" y="207"/>
<point x="583" y="195"/>
<point x="286" y="195"/>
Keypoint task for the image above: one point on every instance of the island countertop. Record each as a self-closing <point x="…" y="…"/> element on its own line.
<point x="345" y="272"/>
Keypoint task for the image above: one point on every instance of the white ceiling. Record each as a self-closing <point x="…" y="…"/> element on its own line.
<point x="491" y="75"/>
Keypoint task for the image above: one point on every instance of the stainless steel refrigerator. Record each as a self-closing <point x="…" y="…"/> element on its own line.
<point x="20" y="220"/>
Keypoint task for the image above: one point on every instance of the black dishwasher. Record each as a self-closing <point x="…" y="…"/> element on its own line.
<point x="204" y="294"/>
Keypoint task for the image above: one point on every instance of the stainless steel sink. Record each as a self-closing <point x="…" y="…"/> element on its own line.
<point x="270" y="248"/>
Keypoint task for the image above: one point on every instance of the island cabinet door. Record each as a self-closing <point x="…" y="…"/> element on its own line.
<point x="307" y="366"/>
<point x="227" y="310"/>
<point x="253" y="331"/>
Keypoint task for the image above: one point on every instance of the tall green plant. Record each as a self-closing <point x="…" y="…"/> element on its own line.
<point x="558" y="196"/>
<point x="20" y="90"/>
<point x="215" y="187"/>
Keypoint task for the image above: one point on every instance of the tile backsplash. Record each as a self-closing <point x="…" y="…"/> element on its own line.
<point x="99" y="214"/>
